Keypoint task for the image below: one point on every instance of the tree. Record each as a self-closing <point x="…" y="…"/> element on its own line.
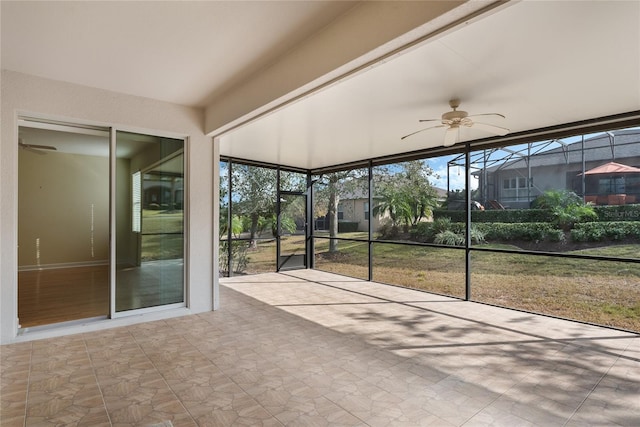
<point x="406" y="195"/>
<point x="254" y="195"/>
<point x="330" y="188"/>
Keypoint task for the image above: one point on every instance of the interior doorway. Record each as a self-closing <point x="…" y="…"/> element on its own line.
<point x="292" y="231"/>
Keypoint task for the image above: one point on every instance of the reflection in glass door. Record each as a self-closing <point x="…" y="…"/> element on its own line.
<point x="149" y="221"/>
<point x="292" y="230"/>
<point x="63" y="223"/>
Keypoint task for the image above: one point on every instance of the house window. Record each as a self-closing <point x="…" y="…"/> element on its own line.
<point x="510" y="183"/>
<point x="614" y="185"/>
<point x="340" y="212"/>
<point x="522" y="182"/>
<point x="366" y="211"/>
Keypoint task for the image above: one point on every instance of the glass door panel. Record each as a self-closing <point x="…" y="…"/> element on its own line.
<point x="63" y="224"/>
<point x="149" y="223"/>
<point x="292" y="239"/>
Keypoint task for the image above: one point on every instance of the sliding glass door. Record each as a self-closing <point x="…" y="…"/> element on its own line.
<point x="149" y="221"/>
<point x="101" y="228"/>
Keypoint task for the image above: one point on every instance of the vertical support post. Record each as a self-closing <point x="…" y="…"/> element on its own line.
<point x="583" y="178"/>
<point x="467" y="244"/>
<point x="112" y="222"/>
<point x="229" y="219"/>
<point x="311" y="262"/>
<point x="278" y="219"/>
<point x="529" y="177"/>
<point x="370" y="239"/>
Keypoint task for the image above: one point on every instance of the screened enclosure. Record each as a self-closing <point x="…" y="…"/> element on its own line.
<point x="547" y="225"/>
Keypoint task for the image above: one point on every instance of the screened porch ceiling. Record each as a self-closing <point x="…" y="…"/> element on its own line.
<point x="540" y="64"/>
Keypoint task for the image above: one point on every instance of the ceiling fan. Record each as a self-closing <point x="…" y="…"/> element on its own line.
<point x="453" y="120"/>
<point x="34" y="147"/>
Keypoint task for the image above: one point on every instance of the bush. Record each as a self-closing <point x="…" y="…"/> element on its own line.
<point x="600" y="231"/>
<point x="449" y="238"/>
<point x="507" y="215"/>
<point x="618" y="213"/>
<point x="239" y="257"/>
<point x="477" y="235"/>
<point x="531" y="231"/>
<point x="388" y="230"/>
<point x="567" y="217"/>
<point x="552" y="199"/>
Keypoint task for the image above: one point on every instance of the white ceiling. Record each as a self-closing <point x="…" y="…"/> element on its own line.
<point x="185" y="52"/>
<point x="538" y="63"/>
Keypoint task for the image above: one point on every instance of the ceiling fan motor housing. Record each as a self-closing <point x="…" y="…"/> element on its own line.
<point x="454" y="116"/>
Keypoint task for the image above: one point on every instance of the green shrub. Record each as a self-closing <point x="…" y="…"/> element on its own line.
<point x="389" y="230"/>
<point x="530" y="231"/>
<point x="566" y="217"/>
<point x="601" y="231"/>
<point x="618" y="213"/>
<point x="449" y="238"/>
<point x="477" y="235"/>
<point x="239" y="257"/>
<point x="507" y="215"/>
<point x="441" y="224"/>
<point x="552" y="199"/>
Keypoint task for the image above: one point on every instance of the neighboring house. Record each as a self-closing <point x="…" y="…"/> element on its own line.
<point x="520" y="178"/>
<point x="354" y="207"/>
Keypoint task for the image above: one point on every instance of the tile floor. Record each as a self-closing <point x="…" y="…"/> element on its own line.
<point x="309" y="348"/>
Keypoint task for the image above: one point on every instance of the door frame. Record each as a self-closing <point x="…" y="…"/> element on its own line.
<point x="280" y="264"/>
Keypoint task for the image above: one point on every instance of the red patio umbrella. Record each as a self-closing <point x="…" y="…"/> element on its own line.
<point x="611" y="168"/>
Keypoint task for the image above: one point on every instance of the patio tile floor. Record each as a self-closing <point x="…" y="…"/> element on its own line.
<point x="313" y="348"/>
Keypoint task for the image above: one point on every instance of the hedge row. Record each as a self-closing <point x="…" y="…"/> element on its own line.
<point x="605" y="214"/>
<point x="599" y="231"/>
<point x="522" y="231"/>
<point x="618" y="213"/>
<point x="493" y="216"/>
<point x="537" y="231"/>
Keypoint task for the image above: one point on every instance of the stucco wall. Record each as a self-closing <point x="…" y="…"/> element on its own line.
<point x="33" y="96"/>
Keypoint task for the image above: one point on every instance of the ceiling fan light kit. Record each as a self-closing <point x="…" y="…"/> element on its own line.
<point x="452" y="120"/>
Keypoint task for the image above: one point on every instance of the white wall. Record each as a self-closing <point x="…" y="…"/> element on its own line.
<point x="28" y="95"/>
<point x="63" y="209"/>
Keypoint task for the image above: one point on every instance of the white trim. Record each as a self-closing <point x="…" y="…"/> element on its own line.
<point x="112" y="221"/>
<point x="145" y="310"/>
<point x="95" y="324"/>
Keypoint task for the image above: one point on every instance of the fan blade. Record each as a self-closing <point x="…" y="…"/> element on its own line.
<point x="487" y="114"/>
<point x="491" y="128"/>
<point x="422" y="130"/>
<point x="451" y="136"/>
<point x="429" y="120"/>
<point x="37" y="147"/>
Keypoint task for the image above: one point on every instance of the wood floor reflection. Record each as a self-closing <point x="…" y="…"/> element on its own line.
<point x="62" y="294"/>
<point x="66" y="294"/>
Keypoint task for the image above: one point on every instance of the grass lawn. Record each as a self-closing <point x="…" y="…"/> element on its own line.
<point x="601" y="292"/>
<point x="159" y="235"/>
